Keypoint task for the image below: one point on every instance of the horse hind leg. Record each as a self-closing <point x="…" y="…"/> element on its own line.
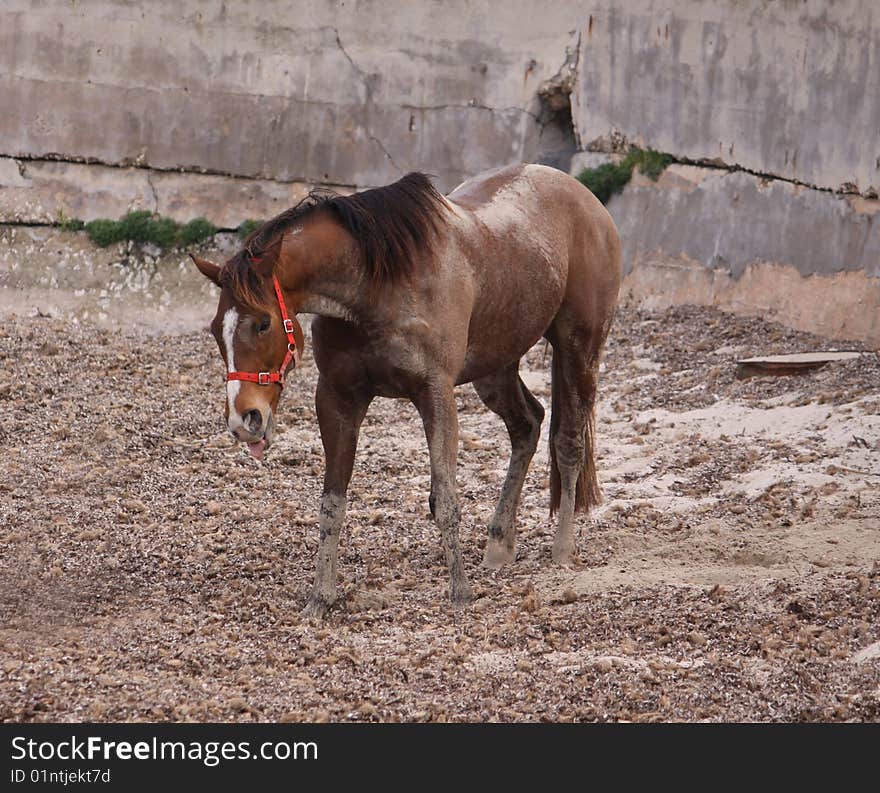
<point x="574" y="486"/>
<point x="506" y="395"/>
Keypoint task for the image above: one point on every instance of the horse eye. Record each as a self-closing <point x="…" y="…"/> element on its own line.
<point x="264" y="325"/>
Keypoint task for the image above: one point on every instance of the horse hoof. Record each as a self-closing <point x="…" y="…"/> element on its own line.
<point x="497" y="555"/>
<point x="316" y="609"/>
<point x="564" y="557"/>
<point x="461" y="596"/>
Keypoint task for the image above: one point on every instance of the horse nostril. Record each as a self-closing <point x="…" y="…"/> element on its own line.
<point x="253" y="421"/>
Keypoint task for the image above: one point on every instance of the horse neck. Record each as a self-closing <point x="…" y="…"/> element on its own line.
<point x="325" y="275"/>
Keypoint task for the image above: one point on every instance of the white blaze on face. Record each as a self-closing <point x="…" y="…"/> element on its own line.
<point x="230" y="323"/>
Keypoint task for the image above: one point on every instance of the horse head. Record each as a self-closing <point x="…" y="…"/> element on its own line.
<point x="259" y="342"/>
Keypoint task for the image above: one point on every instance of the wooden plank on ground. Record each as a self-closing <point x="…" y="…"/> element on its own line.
<point x="798" y="363"/>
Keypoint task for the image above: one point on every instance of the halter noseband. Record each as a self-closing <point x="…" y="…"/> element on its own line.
<point x="265" y="378"/>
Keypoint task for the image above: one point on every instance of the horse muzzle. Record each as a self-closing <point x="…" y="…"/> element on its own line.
<point x="256" y="430"/>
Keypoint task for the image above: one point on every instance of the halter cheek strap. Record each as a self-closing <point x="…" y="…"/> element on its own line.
<point x="292" y="354"/>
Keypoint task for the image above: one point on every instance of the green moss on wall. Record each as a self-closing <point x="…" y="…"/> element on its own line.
<point x="247" y="228"/>
<point x="609" y="179"/>
<point x="145" y="227"/>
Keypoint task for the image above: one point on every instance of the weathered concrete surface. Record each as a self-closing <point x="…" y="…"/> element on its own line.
<point x="785" y="88"/>
<point x="729" y="220"/>
<point x="60" y="273"/>
<point x="318" y="91"/>
<point x="224" y="201"/>
<point x="810" y="259"/>
<point x="842" y="306"/>
<point x="44" y="191"/>
<point x="256" y="100"/>
<point x="324" y="91"/>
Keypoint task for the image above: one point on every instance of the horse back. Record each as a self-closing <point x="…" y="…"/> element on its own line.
<point x="537" y="243"/>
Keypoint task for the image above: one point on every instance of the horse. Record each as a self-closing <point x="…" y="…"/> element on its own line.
<point x="415" y="293"/>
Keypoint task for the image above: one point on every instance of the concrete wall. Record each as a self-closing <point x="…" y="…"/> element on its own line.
<point x="789" y="88"/>
<point x="354" y="93"/>
<point x="320" y="91"/>
<point x="232" y="109"/>
<point x="806" y="257"/>
<point x="41" y="191"/>
<point x="743" y="219"/>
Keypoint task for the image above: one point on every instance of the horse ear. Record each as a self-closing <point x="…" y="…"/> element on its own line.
<point x="264" y="264"/>
<point x="210" y="270"/>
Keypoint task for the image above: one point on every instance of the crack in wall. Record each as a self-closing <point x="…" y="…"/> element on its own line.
<point x="473" y="105"/>
<point x="385" y="151"/>
<point x="153" y="191"/>
<point x="557" y="139"/>
<point x="30" y="224"/>
<point x="52" y="224"/>
<point x="72" y="159"/>
<point x="367" y="81"/>
<point x="575" y="76"/>
<point x="715" y="165"/>
<point x="556" y="91"/>
<point x="360" y="72"/>
<point x="710" y="164"/>
<point x="620" y="145"/>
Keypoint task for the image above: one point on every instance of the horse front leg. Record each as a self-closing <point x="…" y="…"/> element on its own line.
<point x="436" y="405"/>
<point x="339" y="418"/>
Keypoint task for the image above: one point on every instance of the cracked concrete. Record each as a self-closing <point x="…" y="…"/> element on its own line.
<point x="783" y="90"/>
<point x="808" y="258"/>
<point x="601" y="151"/>
<point x="53" y="189"/>
<point x="744" y="219"/>
<point x="155" y="207"/>
<point x="367" y="81"/>
<point x="318" y="96"/>
<point x="360" y="72"/>
<point x="386" y="153"/>
<point x="788" y="89"/>
<point x="230" y="111"/>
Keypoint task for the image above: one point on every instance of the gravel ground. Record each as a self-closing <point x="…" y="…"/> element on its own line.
<point x="151" y="570"/>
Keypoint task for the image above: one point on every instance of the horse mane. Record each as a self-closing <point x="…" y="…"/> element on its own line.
<point x="392" y="227"/>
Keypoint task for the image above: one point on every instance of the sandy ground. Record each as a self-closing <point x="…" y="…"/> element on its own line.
<point x="151" y="570"/>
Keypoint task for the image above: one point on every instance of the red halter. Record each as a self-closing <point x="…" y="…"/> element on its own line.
<point x="265" y="378"/>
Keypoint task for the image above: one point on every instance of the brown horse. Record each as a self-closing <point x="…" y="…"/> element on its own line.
<point x="416" y="293"/>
